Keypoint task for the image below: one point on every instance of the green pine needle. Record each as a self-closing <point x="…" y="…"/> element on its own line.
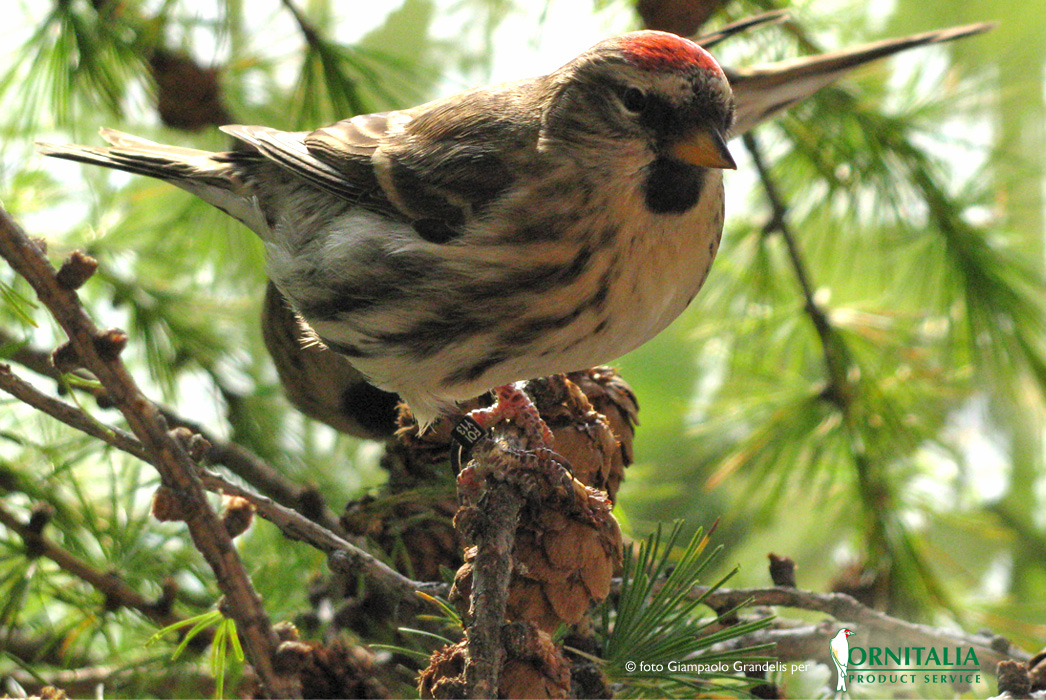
<point x="655" y="620"/>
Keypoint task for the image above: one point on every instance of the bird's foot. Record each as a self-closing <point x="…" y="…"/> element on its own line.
<point x="512" y="404"/>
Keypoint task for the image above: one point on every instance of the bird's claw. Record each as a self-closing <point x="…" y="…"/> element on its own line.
<point x="512" y="404"/>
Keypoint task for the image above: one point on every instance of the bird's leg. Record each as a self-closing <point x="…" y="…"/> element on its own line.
<point x="511" y="403"/>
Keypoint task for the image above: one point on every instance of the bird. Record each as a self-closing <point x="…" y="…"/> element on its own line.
<point x="840" y="651"/>
<point x="326" y="387"/>
<point x="512" y="231"/>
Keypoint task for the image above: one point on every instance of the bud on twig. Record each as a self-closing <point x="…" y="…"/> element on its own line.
<point x="291" y="657"/>
<point x="782" y="570"/>
<point x="238" y="515"/>
<point x="1014" y="679"/>
<point x="199" y="447"/>
<point x="110" y="343"/>
<point x="286" y="631"/>
<point x="76" y="270"/>
<point x="66" y="359"/>
<point x="196" y="445"/>
<point x="167" y="507"/>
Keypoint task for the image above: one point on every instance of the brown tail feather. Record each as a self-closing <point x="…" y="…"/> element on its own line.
<point x="210" y="176"/>
<point x="763" y="91"/>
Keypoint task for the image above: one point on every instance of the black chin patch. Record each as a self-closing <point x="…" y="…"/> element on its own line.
<point x="672" y="187"/>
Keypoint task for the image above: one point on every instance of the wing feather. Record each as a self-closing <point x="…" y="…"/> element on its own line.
<point x="287" y="149"/>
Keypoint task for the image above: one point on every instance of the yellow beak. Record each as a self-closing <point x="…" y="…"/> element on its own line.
<point x="704" y="147"/>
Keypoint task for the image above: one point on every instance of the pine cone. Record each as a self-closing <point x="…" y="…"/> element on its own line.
<point x="444" y="677"/>
<point x="338" y="670"/>
<point x="417" y="532"/>
<point x="188" y="95"/>
<point x="592" y="414"/>
<point x="567" y="547"/>
<point x="534" y="667"/>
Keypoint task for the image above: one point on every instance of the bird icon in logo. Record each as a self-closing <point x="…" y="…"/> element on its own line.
<point x="840" y="650"/>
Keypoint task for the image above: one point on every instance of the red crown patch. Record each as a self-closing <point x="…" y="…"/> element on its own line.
<point x="661" y="50"/>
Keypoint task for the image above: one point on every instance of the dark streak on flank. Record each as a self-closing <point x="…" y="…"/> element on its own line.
<point x="577" y="265"/>
<point x="349" y="298"/>
<point x="542" y="229"/>
<point x="548" y="222"/>
<point x="609" y="234"/>
<point x="599" y="300"/>
<point x="446" y="325"/>
<point x="345" y="349"/>
<point x="538" y="278"/>
<point x="390" y="278"/>
<point x="473" y="313"/>
<point x="477" y="369"/>
<point x="527" y="332"/>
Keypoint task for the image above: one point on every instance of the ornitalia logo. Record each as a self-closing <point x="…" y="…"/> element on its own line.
<point x="911" y="666"/>
<point x="840" y="652"/>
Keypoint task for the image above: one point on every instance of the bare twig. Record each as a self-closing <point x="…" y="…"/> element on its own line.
<point x="262" y="475"/>
<point x="791" y="641"/>
<point x="846" y="609"/>
<point x="834" y="351"/>
<point x="491" y="574"/>
<point x="841" y="390"/>
<point x="345" y="554"/>
<point x="84" y="682"/>
<point x="346" y="557"/>
<point x="491" y="504"/>
<point x="237" y="458"/>
<point x="116" y="592"/>
<point x="70" y="415"/>
<point x="99" y="353"/>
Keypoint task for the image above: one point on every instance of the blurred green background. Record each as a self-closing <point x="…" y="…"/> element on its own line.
<point x="913" y="477"/>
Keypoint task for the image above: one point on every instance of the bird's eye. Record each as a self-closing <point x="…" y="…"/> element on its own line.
<point x="634" y="100"/>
